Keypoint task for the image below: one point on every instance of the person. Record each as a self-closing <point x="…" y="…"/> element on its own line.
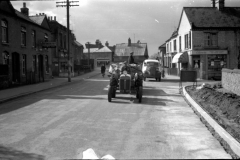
<point x="125" y="67"/>
<point x="103" y="68"/>
<point x="131" y="59"/>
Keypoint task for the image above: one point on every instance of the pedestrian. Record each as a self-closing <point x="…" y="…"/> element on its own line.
<point x="103" y="68"/>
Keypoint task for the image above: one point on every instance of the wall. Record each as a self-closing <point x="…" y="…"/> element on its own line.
<point x="230" y="80"/>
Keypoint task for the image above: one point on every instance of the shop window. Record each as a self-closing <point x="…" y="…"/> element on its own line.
<point x="196" y="61"/>
<point x="5" y="58"/>
<point x="33" y="39"/>
<point x="4" y="26"/>
<point x="23" y="36"/>
<point x="210" y="40"/>
<point x="24" y="64"/>
<point x="46" y="64"/>
<point x="186" y="41"/>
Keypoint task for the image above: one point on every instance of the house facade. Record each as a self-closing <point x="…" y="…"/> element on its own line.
<point x="99" y="53"/>
<point x="123" y="50"/>
<point x="22" y="37"/>
<point x="208" y="39"/>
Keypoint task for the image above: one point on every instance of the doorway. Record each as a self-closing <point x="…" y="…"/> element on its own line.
<point x="16" y="67"/>
<point x="40" y="68"/>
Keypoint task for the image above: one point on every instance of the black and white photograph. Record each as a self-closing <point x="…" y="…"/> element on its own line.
<point x="119" y="79"/>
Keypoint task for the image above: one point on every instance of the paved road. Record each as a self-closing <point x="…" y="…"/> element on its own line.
<point x="63" y="122"/>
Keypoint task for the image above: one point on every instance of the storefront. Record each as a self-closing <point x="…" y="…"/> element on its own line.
<point x="209" y="63"/>
<point x="102" y="61"/>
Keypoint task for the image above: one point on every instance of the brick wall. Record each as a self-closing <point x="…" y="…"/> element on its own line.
<point x="231" y="80"/>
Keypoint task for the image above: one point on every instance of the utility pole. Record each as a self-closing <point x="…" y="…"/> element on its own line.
<point x="88" y="54"/>
<point x="68" y="30"/>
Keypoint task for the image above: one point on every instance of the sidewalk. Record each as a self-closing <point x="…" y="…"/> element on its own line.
<point x="13" y="93"/>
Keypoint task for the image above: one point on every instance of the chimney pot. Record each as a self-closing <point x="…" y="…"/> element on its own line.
<point x="54" y="18"/>
<point x="24" y="10"/>
<point x="221" y="5"/>
<point x="129" y="41"/>
<point x="24" y="4"/>
<point x="213" y="3"/>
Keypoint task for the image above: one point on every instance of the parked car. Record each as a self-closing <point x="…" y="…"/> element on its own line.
<point x="151" y="68"/>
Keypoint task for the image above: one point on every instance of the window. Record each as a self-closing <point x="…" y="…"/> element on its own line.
<point x="186" y="41"/>
<point x="210" y="40"/>
<point x="190" y="39"/>
<point x="45" y="38"/>
<point x="34" y="63"/>
<point x="167" y="47"/>
<point x="24" y="64"/>
<point x="33" y="39"/>
<point x="23" y="36"/>
<point x="180" y="43"/>
<point x="175" y="44"/>
<point x="5" y="58"/>
<point x="65" y="41"/>
<point x="4" y="31"/>
<point x="60" y="38"/>
<point x="170" y="47"/>
<point x="46" y="64"/>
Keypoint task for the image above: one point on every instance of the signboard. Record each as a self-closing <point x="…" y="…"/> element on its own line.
<point x="49" y="44"/>
<point x="195" y="52"/>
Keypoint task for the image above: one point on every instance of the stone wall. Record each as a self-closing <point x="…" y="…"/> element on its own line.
<point x="231" y="80"/>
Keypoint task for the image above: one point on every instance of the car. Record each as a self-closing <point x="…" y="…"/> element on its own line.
<point x="151" y="68"/>
<point x="130" y="81"/>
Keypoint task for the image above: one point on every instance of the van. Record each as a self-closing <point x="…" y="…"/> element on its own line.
<point x="151" y="68"/>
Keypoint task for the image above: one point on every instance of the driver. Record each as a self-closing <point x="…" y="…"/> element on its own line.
<point x="125" y="68"/>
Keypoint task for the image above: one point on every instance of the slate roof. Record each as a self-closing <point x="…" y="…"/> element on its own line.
<point x="37" y="19"/>
<point x="212" y="17"/>
<point x="104" y="49"/>
<point x="23" y="16"/>
<point x="123" y="49"/>
<point x="77" y="43"/>
<point x="91" y="50"/>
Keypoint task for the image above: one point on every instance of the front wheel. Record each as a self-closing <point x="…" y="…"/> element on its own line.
<point x="110" y="90"/>
<point x="140" y="94"/>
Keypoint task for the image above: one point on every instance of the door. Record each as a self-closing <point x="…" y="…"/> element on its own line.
<point x="16" y="67"/>
<point x="40" y="68"/>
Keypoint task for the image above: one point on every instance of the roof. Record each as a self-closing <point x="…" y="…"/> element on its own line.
<point x="91" y="50"/>
<point x="23" y="16"/>
<point x="123" y="49"/>
<point x="212" y="17"/>
<point x="37" y="19"/>
<point x="104" y="49"/>
<point x="77" y="43"/>
<point x="162" y="46"/>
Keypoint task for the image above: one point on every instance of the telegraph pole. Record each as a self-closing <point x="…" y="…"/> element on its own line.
<point x="68" y="30"/>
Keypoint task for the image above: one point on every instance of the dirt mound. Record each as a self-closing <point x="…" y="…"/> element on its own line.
<point x="221" y="105"/>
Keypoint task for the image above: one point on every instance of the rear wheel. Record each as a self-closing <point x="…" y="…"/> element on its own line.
<point x="140" y="94"/>
<point x="110" y="90"/>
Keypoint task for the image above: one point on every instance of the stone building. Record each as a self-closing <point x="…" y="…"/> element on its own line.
<point x="209" y="38"/>
<point x="21" y="48"/>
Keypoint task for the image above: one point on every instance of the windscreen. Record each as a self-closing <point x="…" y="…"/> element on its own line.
<point x="154" y="64"/>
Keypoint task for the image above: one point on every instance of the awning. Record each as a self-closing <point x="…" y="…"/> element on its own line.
<point x="180" y="58"/>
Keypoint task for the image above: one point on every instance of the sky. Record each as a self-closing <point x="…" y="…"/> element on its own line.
<point x="150" y="21"/>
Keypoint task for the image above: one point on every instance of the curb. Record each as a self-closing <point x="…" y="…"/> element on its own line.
<point x="234" y="144"/>
<point x="33" y="92"/>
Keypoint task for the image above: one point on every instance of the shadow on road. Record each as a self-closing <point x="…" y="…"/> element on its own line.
<point x="7" y="153"/>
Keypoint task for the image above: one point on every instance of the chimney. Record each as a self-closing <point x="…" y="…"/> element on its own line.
<point x="51" y="18"/>
<point x="129" y="42"/>
<point x="213" y="3"/>
<point x="24" y="10"/>
<point x="54" y="18"/>
<point x="107" y="44"/>
<point x="221" y="5"/>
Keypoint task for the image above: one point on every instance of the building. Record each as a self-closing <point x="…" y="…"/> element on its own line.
<point x="60" y="54"/>
<point x="123" y="50"/>
<point x="99" y="53"/>
<point x="22" y="51"/>
<point x="209" y="39"/>
<point x="162" y="55"/>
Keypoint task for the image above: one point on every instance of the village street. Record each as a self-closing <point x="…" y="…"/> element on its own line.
<point x="62" y="122"/>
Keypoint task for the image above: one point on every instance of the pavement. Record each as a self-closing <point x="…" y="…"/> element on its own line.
<point x="17" y="92"/>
